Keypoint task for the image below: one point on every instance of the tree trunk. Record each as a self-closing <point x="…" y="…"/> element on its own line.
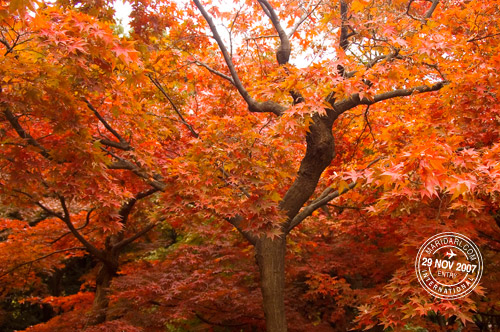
<point x="101" y="300"/>
<point x="271" y="261"/>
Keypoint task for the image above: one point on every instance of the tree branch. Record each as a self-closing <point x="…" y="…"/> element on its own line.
<point x="43" y="207"/>
<point x="236" y="222"/>
<point x="354" y="100"/>
<point x="66" y="218"/>
<point x="368" y="122"/>
<point x="5" y="43"/>
<point x="124" y="213"/>
<point x="308" y="210"/>
<point x="483" y="37"/>
<point x="303" y="18"/>
<point x="134" y="237"/>
<point x="343" y="207"/>
<point x="113" y="144"/>
<point x="284" y="50"/>
<point x="261" y="37"/>
<point x="427" y="15"/>
<point x="385" y="57"/>
<point x="320" y="151"/>
<point x="188" y="126"/>
<point x="408" y="7"/>
<point x="241" y="188"/>
<point x="326" y="196"/>
<point x="123" y="143"/>
<point x="87" y="221"/>
<point x="128" y="165"/>
<point x="41" y="217"/>
<point x="344" y="28"/>
<point x="213" y="71"/>
<point x="39" y="259"/>
<point x="129" y="205"/>
<point x="431" y="10"/>
<point x="253" y="105"/>
<point x="25" y="135"/>
<point x="246" y="96"/>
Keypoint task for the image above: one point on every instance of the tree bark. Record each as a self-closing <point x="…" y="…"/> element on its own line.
<point x="101" y="299"/>
<point x="271" y="260"/>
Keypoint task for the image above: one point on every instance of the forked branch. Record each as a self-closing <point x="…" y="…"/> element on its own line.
<point x="66" y="218"/>
<point x="87" y="221"/>
<point x="284" y="50"/>
<point x="304" y="17"/>
<point x="14" y="122"/>
<point x="326" y="196"/>
<point x="427" y="14"/>
<point x="127" y="207"/>
<point x="253" y="105"/>
<point x="123" y="144"/>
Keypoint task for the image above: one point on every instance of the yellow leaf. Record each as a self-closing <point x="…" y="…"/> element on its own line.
<point x="275" y="196"/>
<point x="459" y="190"/>
<point x="343" y="186"/>
<point x="358" y="6"/>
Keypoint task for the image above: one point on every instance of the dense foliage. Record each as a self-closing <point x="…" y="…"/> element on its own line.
<point x="245" y="166"/>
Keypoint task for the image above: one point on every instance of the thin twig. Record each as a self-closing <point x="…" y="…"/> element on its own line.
<point x="226" y="176"/>
<point x="174" y="106"/>
<point x="87" y="221"/>
<point x="106" y="124"/>
<point x="39" y="259"/>
<point x="483" y="37"/>
<point x="214" y="71"/>
<point x="261" y="37"/>
<point x="368" y="122"/>
<point x="225" y="53"/>
<point x="231" y="30"/>
<point x="253" y="105"/>
<point x="303" y="18"/>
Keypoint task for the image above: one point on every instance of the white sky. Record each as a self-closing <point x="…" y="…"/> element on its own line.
<point x="122" y="13"/>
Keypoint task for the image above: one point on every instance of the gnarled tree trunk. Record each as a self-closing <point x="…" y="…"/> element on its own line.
<point x="101" y="300"/>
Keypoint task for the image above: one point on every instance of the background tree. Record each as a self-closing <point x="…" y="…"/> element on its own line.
<point x="59" y="152"/>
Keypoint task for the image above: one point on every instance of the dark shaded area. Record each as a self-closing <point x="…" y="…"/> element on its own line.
<point x="67" y="281"/>
<point x="18" y="315"/>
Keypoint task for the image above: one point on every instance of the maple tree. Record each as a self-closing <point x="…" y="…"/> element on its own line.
<point x="333" y="136"/>
<point x="61" y="170"/>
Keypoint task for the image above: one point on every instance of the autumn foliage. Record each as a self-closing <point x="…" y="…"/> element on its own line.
<point x="252" y="165"/>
